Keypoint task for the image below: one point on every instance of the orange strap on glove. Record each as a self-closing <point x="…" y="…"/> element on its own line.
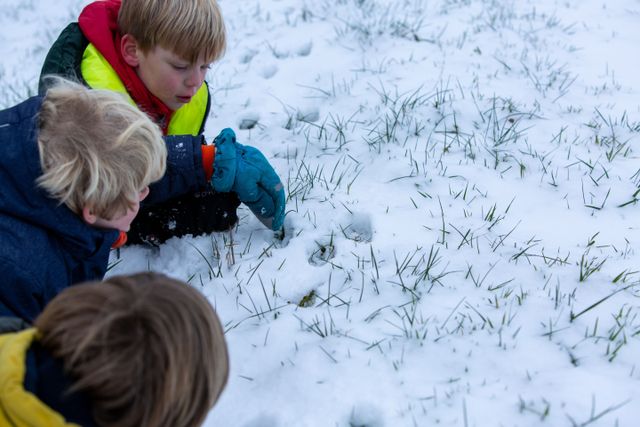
<point x="208" y="156"/>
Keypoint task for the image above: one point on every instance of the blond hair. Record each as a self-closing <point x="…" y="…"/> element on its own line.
<point x="191" y="29"/>
<point x="148" y="350"/>
<point x="96" y="150"/>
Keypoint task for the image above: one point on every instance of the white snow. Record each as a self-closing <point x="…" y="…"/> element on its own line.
<point x="454" y="167"/>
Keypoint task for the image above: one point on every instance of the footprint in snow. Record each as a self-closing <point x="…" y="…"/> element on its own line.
<point x="308" y="114"/>
<point x="304" y="49"/>
<point x="366" y="415"/>
<point x="322" y="252"/>
<point x="269" y="71"/>
<point x="247" y="56"/>
<point x="357" y="227"/>
<point x="248" y="120"/>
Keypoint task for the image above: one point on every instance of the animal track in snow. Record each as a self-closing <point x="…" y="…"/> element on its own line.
<point x="322" y="253"/>
<point x="358" y="227"/>
<point x="248" y="120"/>
<point x="269" y="71"/>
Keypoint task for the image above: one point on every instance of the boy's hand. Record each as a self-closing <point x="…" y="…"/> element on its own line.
<point x="245" y="171"/>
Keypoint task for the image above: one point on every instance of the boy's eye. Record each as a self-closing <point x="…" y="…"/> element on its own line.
<point x="206" y="67"/>
<point x="179" y="67"/>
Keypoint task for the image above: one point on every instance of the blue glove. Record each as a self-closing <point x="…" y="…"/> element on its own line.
<point x="245" y="171"/>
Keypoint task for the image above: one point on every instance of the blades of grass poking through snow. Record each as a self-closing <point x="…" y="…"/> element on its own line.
<point x="543" y="412"/>
<point x="592" y="206"/>
<point x="500" y="285"/>
<point x="593" y="417"/>
<point x="401" y="267"/>
<point x="624" y="276"/>
<point x="432" y="260"/>
<point x="334" y="295"/>
<point x="485" y="319"/>
<point x="266" y="252"/>
<point x="497" y="243"/>
<point x="247" y="247"/>
<point x="573" y="317"/>
<point x="589" y="266"/>
<point x="361" y="286"/>
<point x="328" y="355"/>
<point x="374" y="261"/>
<point x="532" y="243"/>
<point x="340" y="125"/>
<point x="477" y="281"/>
<point x="255" y="311"/>
<point x="318" y="328"/>
<point x="634" y="199"/>
<point x="211" y="273"/>
<point x="443" y="227"/>
<point x="305" y="180"/>
<point x="452" y="313"/>
<point x="466" y="238"/>
<point x="359" y="169"/>
<point x="230" y="245"/>
<point x="253" y="271"/>
<point x="258" y="315"/>
<point x="264" y="292"/>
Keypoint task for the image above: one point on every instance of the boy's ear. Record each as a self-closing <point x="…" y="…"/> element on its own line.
<point x="88" y="215"/>
<point x="130" y="50"/>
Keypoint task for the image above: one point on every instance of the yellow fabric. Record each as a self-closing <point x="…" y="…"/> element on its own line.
<point x="188" y="119"/>
<point x="18" y="407"/>
<point x="99" y="74"/>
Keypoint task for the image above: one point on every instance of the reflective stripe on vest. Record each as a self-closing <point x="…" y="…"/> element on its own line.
<point x="99" y="74"/>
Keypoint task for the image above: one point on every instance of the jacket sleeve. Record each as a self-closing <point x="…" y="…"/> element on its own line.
<point x="64" y="57"/>
<point x="184" y="174"/>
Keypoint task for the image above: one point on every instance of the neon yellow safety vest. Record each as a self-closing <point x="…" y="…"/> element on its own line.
<point x="18" y="407"/>
<point x="99" y="74"/>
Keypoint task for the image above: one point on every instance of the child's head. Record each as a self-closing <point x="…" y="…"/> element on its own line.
<point x="171" y="44"/>
<point x="192" y="29"/>
<point x="148" y="350"/>
<point x="98" y="152"/>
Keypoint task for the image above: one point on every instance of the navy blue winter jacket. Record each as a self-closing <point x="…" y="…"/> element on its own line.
<point x="44" y="246"/>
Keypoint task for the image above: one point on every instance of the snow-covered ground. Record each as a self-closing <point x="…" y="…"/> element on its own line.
<point x="462" y="233"/>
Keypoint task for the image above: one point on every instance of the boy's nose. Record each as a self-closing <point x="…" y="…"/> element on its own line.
<point x="195" y="78"/>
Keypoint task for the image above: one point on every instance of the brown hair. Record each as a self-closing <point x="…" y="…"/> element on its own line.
<point x="149" y="350"/>
<point x="96" y="149"/>
<point x="192" y="29"/>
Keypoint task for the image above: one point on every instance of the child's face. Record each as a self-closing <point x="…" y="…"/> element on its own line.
<point x="170" y="78"/>
<point x="122" y="222"/>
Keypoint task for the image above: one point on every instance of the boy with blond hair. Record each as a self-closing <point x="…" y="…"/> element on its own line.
<point x="157" y="53"/>
<point x="133" y="351"/>
<point x="74" y="167"/>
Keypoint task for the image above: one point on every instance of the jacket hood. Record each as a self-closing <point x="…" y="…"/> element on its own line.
<point x="23" y="200"/>
<point x="99" y="24"/>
